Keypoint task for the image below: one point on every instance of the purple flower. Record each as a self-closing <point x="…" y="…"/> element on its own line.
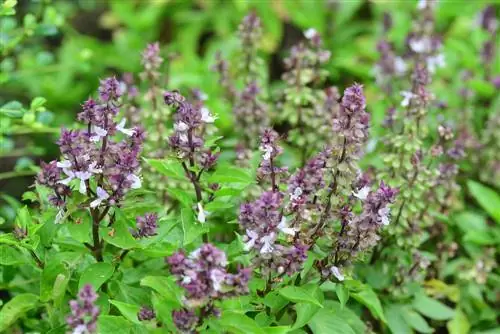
<point x="354" y="99"/>
<point x="185" y="320"/>
<point x="151" y="59"/>
<point x="84" y="312"/>
<point x="49" y="175"/>
<point x="146" y="313"/>
<point x="204" y="277"/>
<point x="146" y="225"/>
<point x="109" y="90"/>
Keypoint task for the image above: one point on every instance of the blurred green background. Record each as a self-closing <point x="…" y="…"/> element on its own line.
<point x="58" y="49"/>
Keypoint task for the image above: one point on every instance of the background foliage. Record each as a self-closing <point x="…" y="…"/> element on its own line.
<point x="52" y="55"/>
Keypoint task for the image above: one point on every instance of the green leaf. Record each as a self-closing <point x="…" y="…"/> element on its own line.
<point x="415" y="320"/>
<point x="50" y="273"/>
<point x="10" y="256"/>
<point x="231" y="174"/>
<point x="15" y="308"/>
<point x="38" y="102"/>
<point x="326" y="321"/>
<point x="13" y="109"/>
<point x="368" y="297"/>
<point x="488" y="198"/>
<point x="351" y="318"/>
<point x="59" y="288"/>
<point x="239" y="323"/>
<point x="276" y="330"/>
<point x="305" y="312"/>
<point x="96" y="274"/>
<point x="185" y="197"/>
<point x="299" y="294"/>
<point x="459" y="324"/>
<point x="107" y="324"/>
<point x="431" y="308"/>
<point x="80" y="227"/>
<point x="23" y="218"/>
<point x="165" y="286"/>
<point x="172" y="169"/>
<point x="342" y="294"/>
<point x="129" y="311"/>
<point x="190" y="229"/>
<point x="395" y="320"/>
<point x="119" y="235"/>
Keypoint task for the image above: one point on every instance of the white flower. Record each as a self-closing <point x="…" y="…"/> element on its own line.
<point x="297" y="192"/>
<point x="63" y="164"/>
<point x="252" y="238"/>
<point x="420" y="45"/>
<point x="283" y="227"/>
<point x="181" y="126"/>
<point x="217" y="278"/>
<point x="399" y="65"/>
<point x="202" y="214"/>
<point x="183" y="138"/>
<point x="407" y="96"/>
<point x="99" y="133"/>
<point x="268" y="150"/>
<point x="436" y="62"/>
<point x="80" y="329"/>
<point x="268" y="241"/>
<point x="337" y="273"/>
<point x="92" y="168"/>
<point x="83" y="176"/>
<point x="136" y="181"/>
<point x="362" y="193"/>
<point x="121" y="127"/>
<point x="195" y="254"/>
<point x="206" y="116"/>
<point x="186" y="279"/>
<point x="102" y="195"/>
<point x="59" y="217"/>
<point x="310" y="33"/>
<point x="70" y="177"/>
<point x="384" y="215"/>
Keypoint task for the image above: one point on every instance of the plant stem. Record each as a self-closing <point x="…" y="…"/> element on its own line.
<point x="35" y="257"/>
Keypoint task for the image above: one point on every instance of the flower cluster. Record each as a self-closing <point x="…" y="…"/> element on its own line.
<point x="97" y="153"/>
<point x="84" y="312"/>
<point x="361" y="231"/>
<point x="301" y="103"/>
<point x="270" y="151"/>
<point x="263" y="221"/>
<point x="187" y="139"/>
<point x="146" y="225"/>
<point x="205" y="279"/>
<point x="145" y="314"/>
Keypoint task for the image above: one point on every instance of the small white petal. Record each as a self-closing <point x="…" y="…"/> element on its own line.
<point x="297" y="192"/>
<point x="92" y="168"/>
<point x="400" y="65"/>
<point x="83" y="187"/>
<point x="183" y="138"/>
<point x="337" y="273"/>
<point x="283" y="227"/>
<point x="136" y="181"/>
<point x="201" y="214"/>
<point x="66" y="181"/>
<point x="181" y="126"/>
<point x="268" y="241"/>
<point x="362" y="194"/>
<point x="206" y="116"/>
<point x="63" y="164"/>
<point x="310" y="33"/>
<point x="268" y="150"/>
<point x="121" y="127"/>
